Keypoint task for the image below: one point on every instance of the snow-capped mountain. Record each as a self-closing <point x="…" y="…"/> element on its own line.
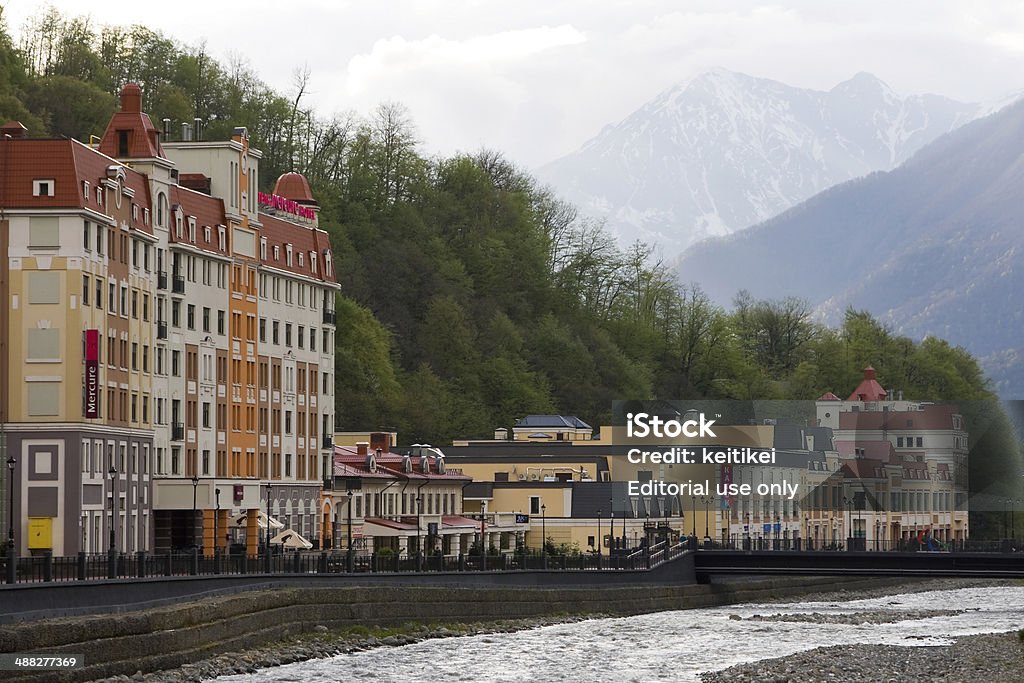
<point x="933" y="247"/>
<point x="727" y="150"/>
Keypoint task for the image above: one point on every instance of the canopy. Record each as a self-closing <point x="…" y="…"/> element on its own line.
<point x="241" y="521"/>
<point x="290" y="539"/>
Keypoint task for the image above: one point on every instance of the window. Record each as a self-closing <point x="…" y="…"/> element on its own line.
<point x="176" y="313"/>
<point x="99" y="239"/>
<point x="191" y="316"/>
<point x="87" y="232"/>
<point x="312" y="339"/>
<point x="206" y="319"/>
<point x="287" y="334"/>
<point x="99" y="294"/>
<point x="86" y="286"/>
<point x="145" y="307"/>
<point x="263" y="330"/>
<point x="275" y="333"/>
<point x="145" y="357"/>
<point x="176" y="363"/>
<point x="111" y="297"/>
<point x="43" y="188"/>
<point x="43" y="232"/>
<point x="206" y="415"/>
<point x="135" y="304"/>
<point x="920" y="442"/>
<point x="301" y="334"/>
<point x="221" y="317"/>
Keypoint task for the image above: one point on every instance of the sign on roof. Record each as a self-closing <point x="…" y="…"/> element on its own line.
<point x="279" y="203"/>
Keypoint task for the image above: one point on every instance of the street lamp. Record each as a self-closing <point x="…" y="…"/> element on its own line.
<point x="483" y="542"/>
<point x="544" y="530"/>
<point x="216" y="521"/>
<point x="113" y="538"/>
<point x="707" y="515"/>
<point x="349" y="546"/>
<point x="195" y="488"/>
<point x="267" y="560"/>
<point x="693" y="499"/>
<point x="419" y="538"/>
<point x="11" y="462"/>
<point x="599" y="539"/>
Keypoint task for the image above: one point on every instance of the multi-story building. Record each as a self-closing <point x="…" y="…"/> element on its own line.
<point x="146" y="275"/>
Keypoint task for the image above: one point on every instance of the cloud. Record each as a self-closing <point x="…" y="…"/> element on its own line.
<point x="398" y="57"/>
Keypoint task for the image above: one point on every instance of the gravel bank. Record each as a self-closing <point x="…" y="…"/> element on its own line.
<point x="992" y="658"/>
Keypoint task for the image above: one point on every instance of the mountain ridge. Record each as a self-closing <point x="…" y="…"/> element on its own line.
<point x="726" y="150"/>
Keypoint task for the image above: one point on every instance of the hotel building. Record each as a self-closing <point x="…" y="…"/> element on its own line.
<point x="168" y="338"/>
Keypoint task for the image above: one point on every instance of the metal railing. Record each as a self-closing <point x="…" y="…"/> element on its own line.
<point x="178" y="284"/>
<point x="46" y="568"/>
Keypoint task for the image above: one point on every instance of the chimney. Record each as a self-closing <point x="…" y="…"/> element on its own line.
<point x="361" y="448"/>
<point x="14" y="130"/>
<point x="167" y="129"/>
<point x="186" y="132"/>
<point x="380" y="441"/>
<point x="198" y="127"/>
<point x="131" y="99"/>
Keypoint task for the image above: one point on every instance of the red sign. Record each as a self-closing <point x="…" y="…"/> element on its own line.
<point x="92" y="373"/>
<point x="274" y="201"/>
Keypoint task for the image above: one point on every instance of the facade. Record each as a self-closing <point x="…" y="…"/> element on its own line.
<point x="145" y="275"/>
<point x="401" y="501"/>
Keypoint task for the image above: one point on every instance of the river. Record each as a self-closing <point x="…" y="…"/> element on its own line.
<point x="674" y="646"/>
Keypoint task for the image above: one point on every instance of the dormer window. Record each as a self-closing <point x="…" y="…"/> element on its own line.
<point x="135" y="212"/>
<point x="277" y="252"/>
<point x="327" y="262"/>
<point x="192" y="230"/>
<point x="300" y="260"/>
<point x="85" y="190"/>
<point x="206" y="233"/>
<point x="145" y="216"/>
<point x="178" y="224"/>
<point x="263" y="248"/>
<point x="43" y="188"/>
<point x="99" y="195"/>
<point x="288" y="250"/>
<point x="312" y="261"/>
<point x="222" y="238"/>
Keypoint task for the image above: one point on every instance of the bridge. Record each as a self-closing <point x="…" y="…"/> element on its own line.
<point x="708" y="563"/>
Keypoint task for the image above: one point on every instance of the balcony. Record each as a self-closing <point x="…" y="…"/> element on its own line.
<point x="161" y="329"/>
<point x="177" y="432"/>
<point x="330" y="317"/>
<point x="178" y="284"/>
<point x="328" y="441"/>
<point x="161" y="280"/>
<point x="328" y="484"/>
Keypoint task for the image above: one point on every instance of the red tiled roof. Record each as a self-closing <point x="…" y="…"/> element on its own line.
<point x="294" y="186"/>
<point x="863" y="468"/>
<point x="69" y="164"/>
<point x="143" y="137"/>
<point x="881" y="450"/>
<point x="208" y="212"/>
<point x="829" y="396"/>
<point x="304" y="239"/>
<point x="391" y="462"/>
<point x="930" y="417"/>
<point x="869" y="389"/>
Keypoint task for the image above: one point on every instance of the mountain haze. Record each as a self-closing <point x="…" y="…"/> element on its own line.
<point x="934" y="247"/>
<point x="727" y="150"/>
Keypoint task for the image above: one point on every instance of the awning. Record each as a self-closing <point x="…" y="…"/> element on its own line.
<point x="240" y="521"/>
<point x="291" y="539"/>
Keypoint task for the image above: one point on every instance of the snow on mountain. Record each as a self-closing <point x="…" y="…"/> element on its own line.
<point x="727" y="150"/>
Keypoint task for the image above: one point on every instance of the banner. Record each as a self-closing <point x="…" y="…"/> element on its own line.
<point x="92" y="373"/>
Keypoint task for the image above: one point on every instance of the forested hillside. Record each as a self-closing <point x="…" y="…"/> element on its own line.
<point x="471" y="294"/>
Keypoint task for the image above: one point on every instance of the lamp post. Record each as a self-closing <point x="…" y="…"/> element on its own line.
<point x="11" y="462"/>
<point x="707" y="516"/>
<point x="195" y="489"/>
<point x="483" y="541"/>
<point x="544" y="534"/>
<point x="419" y="538"/>
<point x="348" y="547"/>
<point x="693" y="500"/>
<point x="599" y="539"/>
<point x="849" y="514"/>
<point x="266" y="561"/>
<point x="216" y="531"/>
<point x="12" y="575"/>
<point x="113" y="535"/>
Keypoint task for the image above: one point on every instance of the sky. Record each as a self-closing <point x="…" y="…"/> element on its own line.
<point x="535" y="79"/>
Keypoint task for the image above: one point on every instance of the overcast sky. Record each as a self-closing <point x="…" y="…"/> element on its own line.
<point x="537" y="78"/>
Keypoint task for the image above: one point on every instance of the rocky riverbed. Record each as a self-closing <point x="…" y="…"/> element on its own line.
<point x="992" y="658"/>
